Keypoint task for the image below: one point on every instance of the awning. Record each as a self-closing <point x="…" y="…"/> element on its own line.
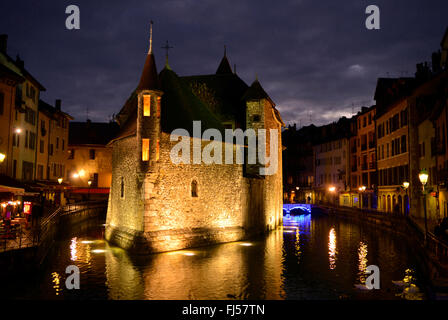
<point x="14" y="190"/>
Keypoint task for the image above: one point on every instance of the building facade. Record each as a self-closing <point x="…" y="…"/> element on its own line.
<point x="156" y="204"/>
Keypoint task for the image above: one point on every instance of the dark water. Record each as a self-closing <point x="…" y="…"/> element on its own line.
<point x="309" y="258"/>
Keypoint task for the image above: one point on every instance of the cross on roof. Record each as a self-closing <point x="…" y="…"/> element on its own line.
<point x="167" y="47"/>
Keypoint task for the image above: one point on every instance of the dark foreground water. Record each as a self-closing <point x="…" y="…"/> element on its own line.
<point x="309" y="258"/>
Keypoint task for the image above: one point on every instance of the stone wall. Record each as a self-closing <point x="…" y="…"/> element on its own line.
<point x="159" y="211"/>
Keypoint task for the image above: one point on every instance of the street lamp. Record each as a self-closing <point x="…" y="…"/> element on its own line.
<point x="2" y="157"/>
<point x="18" y="130"/>
<point x="423" y="176"/>
<point x="60" y="180"/>
<point x="406" y="186"/>
<point x="361" y="190"/>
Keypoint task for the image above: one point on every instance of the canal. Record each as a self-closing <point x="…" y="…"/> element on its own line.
<point x="310" y="257"/>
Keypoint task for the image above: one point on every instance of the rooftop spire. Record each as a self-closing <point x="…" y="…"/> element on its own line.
<point x="167" y="47"/>
<point x="149" y="79"/>
<point x="150" y="37"/>
<point x="224" y="66"/>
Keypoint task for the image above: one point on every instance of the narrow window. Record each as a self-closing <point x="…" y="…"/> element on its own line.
<point x="194" y="188"/>
<point x="71" y="154"/>
<point x="145" y="149"/>
<point x="159" y="100"/>
<point x="157" y="150"/>
<point x="92" y="154"/>
<point x="146" y="105"/>
<point x="122" y="188"/>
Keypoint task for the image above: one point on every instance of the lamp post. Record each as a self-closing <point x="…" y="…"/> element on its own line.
<point x="406" y="186"/>
<point x="423" y="176"/>
<point x="361" y="190"/>
<point x="332" y="190"/>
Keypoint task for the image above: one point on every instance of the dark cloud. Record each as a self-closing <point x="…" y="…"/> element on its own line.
<point x="315" y="58"/>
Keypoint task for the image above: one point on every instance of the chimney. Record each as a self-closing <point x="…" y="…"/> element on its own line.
<point x="3" y="43"/>
<point x="58" y="104"/>
<point x="19" y="62"/>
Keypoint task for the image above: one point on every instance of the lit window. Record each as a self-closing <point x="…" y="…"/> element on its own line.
<point x="147" y="105"/>
<point x="157" y="150"/>
<point x="145" y="149"/>
<point x="158" y="106"/>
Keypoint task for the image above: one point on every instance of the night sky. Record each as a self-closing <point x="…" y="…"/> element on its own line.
<point x="314" y="58"/>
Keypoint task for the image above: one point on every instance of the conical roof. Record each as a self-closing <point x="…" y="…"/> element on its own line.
<point x="149" y="79"/>
<point x="224" y="66"/>
<point x="256" y="92"/>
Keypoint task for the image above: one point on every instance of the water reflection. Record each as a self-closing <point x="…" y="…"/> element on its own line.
<point x="362" y="262"/>
<point x="297" y="261"/>
<point x="410" y="290"/>
<point x="73" y="250"/>
<point x="332" y="248"/>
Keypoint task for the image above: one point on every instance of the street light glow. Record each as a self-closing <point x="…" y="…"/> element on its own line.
<point x="423" y="176"/>
<point x="405" y="184"/>
<point x="2" y="157"/>
<point x="332" y="189"/>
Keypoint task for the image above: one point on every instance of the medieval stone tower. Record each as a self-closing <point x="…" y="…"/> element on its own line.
<point x="158" y="205"/>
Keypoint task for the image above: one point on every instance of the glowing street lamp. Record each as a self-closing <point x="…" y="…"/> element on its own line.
<point x="332" y="189"/>
<point x="423" y="176"/>
<point x="406" y="185"/>
<point x="76" y="175"/>
<point x="89" y="182"/>
<point x="362" y="189"/>
<point x="18" y="130"/>
<point x="60" y="180"/>
<point x="2" y="157"/>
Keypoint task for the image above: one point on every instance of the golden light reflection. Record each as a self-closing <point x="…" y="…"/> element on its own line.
<point x="332" y="248"/>
<point x="73" y="249"/>
<point x="410" y="290"/>
<point x="362" y="262"/>
<point x="297" y="245"/>
<point x="56" y="282"/>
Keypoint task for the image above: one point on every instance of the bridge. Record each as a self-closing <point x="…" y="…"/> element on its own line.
<point x="303" y="206"/>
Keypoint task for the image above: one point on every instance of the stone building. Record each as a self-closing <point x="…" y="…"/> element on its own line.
<point x="393" y="142"/>
<point x="363" y="160"/>
<point x="331" y="154"/>
<point x="158" y="205"/>
<point x="52" y="141"/>
<point x="21" y="160"/>
<point x="88" y="156"/>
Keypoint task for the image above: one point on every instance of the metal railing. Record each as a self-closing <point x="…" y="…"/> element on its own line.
<point x="19" y="237"/>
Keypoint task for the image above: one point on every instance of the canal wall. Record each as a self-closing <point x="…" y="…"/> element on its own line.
<point x="51" y="227"/>
<point x="432" y="260"/>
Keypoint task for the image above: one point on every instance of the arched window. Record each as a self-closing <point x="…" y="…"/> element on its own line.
<point x="194" y="188"/>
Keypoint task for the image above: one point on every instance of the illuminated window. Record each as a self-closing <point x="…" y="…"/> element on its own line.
<point x="194" y="188"/>
<point x="147" y="105"/>
<point x="145" y="149"/>
<point x="157" y="150"/>
<point x="158" y="106"/>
